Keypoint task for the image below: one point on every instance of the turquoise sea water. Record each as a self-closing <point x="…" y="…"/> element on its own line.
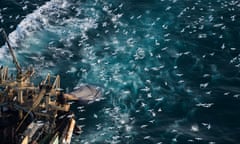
<point x="169" y="68"/>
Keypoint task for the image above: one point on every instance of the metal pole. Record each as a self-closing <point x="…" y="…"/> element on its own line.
<point x="19" y="70"/>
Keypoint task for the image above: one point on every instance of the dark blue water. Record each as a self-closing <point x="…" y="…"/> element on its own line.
<point x="169" y="68"/>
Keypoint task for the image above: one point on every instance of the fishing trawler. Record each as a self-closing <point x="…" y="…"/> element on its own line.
<point x="37" y="114"/>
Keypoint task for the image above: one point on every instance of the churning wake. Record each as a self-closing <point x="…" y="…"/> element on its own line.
<point x="167" y="67"/>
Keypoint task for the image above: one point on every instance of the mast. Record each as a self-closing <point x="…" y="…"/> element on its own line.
<point x="18" y="67"/>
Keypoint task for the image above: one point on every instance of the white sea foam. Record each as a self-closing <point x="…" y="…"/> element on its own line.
<point x="2" y="53"/>
<point x="33" y="22"/>
<point x="48" y="17"/>
<point x="46" y="24"/>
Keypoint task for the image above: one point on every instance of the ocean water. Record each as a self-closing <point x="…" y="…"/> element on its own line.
<point x="169" y="68"/>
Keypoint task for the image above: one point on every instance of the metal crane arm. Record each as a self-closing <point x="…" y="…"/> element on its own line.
<point x="19" y="70"/>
